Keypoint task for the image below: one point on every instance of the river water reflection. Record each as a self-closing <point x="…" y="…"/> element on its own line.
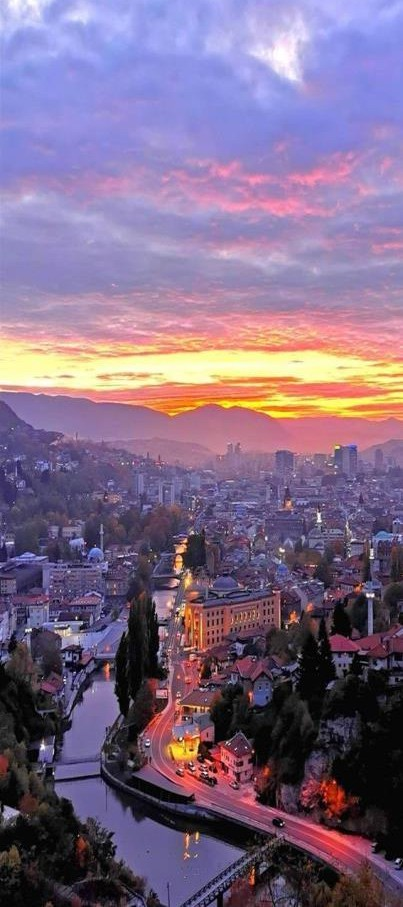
<point x="186" y="859"/>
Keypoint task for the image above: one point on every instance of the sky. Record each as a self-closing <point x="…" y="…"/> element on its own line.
<point x="202" y="202"/>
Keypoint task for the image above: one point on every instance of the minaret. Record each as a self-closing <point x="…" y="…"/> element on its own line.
<point x="101" y="537"/>
<point x="370" y="594"/>
<point x="347" y="538"/>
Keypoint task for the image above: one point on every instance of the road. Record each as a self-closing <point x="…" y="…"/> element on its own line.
<point x="345" y="852"/>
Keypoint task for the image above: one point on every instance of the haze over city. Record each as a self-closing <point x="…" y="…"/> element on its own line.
<point x="203" y="203"/>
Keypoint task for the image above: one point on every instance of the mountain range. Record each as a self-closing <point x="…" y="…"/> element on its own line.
<point x="211" y="426"/>
<point x="18" y="437"/>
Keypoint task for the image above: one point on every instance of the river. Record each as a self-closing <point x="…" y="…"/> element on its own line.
<point x="182" y="856"/>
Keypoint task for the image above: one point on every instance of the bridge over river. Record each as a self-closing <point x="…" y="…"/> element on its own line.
<point x="256" y="861"/>
<point x="77" y="769"/>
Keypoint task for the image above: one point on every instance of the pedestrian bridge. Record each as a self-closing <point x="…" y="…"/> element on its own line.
<point x="77" y="769"/>
<point x="215" y="889"/>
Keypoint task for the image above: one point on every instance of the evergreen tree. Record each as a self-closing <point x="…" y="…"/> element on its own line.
<point x="396" y="564"/>
<point x="366" y="568"/>
<point x="341" y="623"/>
<point x="137" y="646"/>
<point x="323" y="572"/>
<point x="308" y="670"/>
<point x="153" y="639"/>
<point x="121" y="678"/>
<point x="195" y="554"/>
<point x="326" y="669"/>
<point x="356" y="665"/>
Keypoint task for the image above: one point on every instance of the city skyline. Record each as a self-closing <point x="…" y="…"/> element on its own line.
<point x="202" y="204"/>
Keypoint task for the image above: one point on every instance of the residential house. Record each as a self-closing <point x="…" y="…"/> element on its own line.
<point x="343" y="651"/>
<point x="255" y="678"/>
<point x="236" y="757"/>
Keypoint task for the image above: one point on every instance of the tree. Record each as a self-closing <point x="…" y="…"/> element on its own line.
<point x="121" y="679"/>
<point x="153" y="638"/>
<point x="326" y="668"/>
<point x="341" y="623"/>
<point x="308" y="670"/>
<point x="195" y="554"/>
<point x="363" y="889"/>
<point x="396" y="564"/>
<point x="323" y="573"/>
<point x="137" y="645"/>
<point x="366" y="567"/>
<point x="393" y="595"/>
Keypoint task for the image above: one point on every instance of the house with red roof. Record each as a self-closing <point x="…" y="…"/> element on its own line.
<point x="343" y="651"/>
<point x="255" y="678"/>
<point x="236" y="757"/>
<point x="384" y="651"/>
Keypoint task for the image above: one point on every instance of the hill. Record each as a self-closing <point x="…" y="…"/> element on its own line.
<point x="19" y="437"/>
<point x="182" y="452"/>
<point x="210" y="426"/>
<point x="392" y="448"/>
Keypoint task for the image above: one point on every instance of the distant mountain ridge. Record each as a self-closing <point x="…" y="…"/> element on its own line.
<point x="17" y="436"/>
<point x="392" y="448"/>
<point x="210" y="426"/>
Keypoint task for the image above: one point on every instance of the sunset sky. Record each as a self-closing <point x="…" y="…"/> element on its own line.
<point x="203" y="202"/>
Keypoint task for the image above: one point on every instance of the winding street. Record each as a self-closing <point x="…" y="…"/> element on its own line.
<point x="345" y="852"/>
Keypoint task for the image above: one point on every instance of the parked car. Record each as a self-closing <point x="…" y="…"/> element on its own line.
<point x="399" y="863"/>
<point x="279" y="823"/>
<point x="147" y="742"/>
<point x="200" y="758"/>
<point x="180" y="771"/>
<point x="234" y="785"/>
<point x="375" y="846"/>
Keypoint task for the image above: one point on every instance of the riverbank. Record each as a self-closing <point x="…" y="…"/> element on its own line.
<point x="163" y="847"/>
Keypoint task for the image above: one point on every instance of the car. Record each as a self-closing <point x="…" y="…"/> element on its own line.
<point x="179" y="695"/>
<point x="191" y="764"/>
<point x="180" y="771"/>
<point x="279" y="823"/>
<point x="399" y="863"/>
<point x="200" y="758"/>
<point x="375" y="846"/>
<point x="212" y="780"/>
<point x="234" y="785"/>
<point x="147" y="742"/>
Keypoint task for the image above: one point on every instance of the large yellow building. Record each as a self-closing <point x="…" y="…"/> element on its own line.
<point x="214" y="612"/>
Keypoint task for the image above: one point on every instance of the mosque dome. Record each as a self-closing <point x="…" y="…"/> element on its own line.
<point x="224" y="584"/>
<point x="95" y="555"/>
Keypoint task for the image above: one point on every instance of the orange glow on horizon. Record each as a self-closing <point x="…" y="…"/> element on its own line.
<point x="282" y="383"/>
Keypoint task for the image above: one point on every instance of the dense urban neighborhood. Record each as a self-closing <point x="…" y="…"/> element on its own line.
<point x="270" y="690"/>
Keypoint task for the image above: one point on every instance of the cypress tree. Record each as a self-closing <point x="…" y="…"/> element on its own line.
<point x="121" y="679"/>
<point x="326" y="668"/>
<point x="137" y="650"/>
<point x="341" y="623"/>
<point x="153" y="638"/>
<point x="308" y="671"/>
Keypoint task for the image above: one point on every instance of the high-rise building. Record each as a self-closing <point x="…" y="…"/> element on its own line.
<point x="284" y="462"/>
<point x="345" y="459"/>
<point x="379" y="459"/>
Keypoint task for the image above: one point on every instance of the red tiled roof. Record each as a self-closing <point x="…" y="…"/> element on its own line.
<point x="238" y="745"/>
<point x="340" y="643"/>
